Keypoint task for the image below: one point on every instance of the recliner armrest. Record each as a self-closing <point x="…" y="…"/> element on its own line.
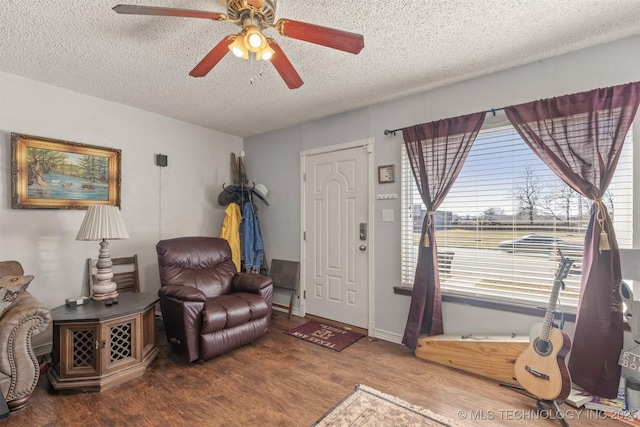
<point x="26" y="318"/>
<point x="182" y="293"/>
<point x="246" y="282"/>
<point x="25" y="307"/>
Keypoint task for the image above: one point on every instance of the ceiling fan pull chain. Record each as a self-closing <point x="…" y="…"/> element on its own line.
<point x="252" y="71"/>
<point x="252" y="59"/>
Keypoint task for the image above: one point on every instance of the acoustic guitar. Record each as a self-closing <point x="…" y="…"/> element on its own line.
<point x="541" y="369"/>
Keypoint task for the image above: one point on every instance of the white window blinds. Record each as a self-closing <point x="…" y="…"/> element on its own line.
<point x="500" y="226"/>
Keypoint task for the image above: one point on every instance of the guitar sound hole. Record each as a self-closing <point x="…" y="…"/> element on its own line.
<point x="542" y="347"/>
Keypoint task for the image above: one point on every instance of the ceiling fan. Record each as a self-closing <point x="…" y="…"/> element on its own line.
<point x="254" y="16"/>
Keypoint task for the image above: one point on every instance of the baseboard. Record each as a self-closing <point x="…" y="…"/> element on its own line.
<point x="294" y="312"/>
<point x="387" y="336"/>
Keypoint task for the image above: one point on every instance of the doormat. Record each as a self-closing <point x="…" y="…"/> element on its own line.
<point x="328" y="336"/>
<point x="369" y="407"/>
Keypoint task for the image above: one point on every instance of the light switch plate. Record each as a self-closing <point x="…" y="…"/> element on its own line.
<point x="386" y="196"/>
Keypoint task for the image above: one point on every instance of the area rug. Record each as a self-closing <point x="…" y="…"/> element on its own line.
<point x="327" y="336"/>
<point x="368" y="407"/>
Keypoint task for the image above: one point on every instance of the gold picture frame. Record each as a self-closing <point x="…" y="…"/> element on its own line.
<point x="53" y="174"/>
<point x="386" y="174"/>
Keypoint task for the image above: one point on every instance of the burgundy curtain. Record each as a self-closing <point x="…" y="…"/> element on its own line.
<point x="436" y="152"/>
<point x="580" y="137"/>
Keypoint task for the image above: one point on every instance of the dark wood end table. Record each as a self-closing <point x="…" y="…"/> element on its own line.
<point x="96" y="347"/>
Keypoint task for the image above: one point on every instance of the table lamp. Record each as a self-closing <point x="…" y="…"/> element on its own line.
<point x="103" y="222"/>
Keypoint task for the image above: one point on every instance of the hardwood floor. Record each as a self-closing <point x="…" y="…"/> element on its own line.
<point x="284" y="381"/>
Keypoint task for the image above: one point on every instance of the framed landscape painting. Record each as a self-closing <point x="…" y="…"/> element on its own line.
<point x="52" y="174"/>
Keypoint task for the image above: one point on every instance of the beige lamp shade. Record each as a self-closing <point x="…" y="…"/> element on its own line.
<point x="102" y="222"/>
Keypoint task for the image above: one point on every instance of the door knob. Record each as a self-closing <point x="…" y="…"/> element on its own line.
<point x="362" y="247"/>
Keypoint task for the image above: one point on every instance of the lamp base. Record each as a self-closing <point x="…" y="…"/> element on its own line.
<point x="104" y="288"/>
<point x="104" y="296"/>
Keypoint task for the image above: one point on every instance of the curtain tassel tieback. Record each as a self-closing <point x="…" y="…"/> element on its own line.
<point x="425" y="234"/>
<point x="601" y="215"/>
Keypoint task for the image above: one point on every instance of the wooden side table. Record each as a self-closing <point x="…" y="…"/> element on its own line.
<point x="96" y="347"/>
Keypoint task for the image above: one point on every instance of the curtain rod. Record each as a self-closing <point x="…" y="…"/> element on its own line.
<point x="393" y="131"/>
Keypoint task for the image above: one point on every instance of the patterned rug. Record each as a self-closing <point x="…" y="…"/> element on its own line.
<point x="368" y="407"/>
<point x="327" y="336"/>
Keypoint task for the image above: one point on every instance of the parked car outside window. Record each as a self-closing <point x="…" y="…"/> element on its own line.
<point x="533" y="243"/>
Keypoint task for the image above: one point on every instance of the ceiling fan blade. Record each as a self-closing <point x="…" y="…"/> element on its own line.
<point x="165" y="11"/>
<point x="212" y="58"/>
<point x="329" y="37"/>
<point x="284" y="67"/>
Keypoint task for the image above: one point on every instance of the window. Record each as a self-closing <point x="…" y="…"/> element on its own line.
<point x="504" y="220"/>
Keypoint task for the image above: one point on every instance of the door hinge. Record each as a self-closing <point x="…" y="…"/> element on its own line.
<point x="304" y="294"/>
<point x="304" y="177"/>
<point x="304" y="235"/>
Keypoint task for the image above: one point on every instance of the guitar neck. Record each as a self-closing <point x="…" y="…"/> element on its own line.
<point x="548" y="316"/>
<point x="563" y="270"/>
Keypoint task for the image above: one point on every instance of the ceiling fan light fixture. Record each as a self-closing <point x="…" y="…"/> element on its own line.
<point x="254" y="40"/>
<point x="266" y="53"/>
<point x="238" y="47"/>
<point x="239" y="53"/>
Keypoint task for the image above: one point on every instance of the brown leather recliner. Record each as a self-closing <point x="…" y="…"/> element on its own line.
<point x="207" y="306"/>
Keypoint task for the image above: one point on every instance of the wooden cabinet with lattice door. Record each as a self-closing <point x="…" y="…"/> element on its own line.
<point x="96" y="347"/>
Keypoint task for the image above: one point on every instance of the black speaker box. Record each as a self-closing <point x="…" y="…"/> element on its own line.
<point x="161" y="160"/>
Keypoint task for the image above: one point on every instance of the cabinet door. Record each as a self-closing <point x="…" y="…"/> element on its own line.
<point x="79" y="350"/>
<point x="120" y="343"/>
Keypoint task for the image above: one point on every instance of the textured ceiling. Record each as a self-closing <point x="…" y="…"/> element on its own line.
<point x="410" y="46"/>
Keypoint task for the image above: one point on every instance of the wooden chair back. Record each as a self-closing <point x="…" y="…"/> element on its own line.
<point x="125" y="273"/>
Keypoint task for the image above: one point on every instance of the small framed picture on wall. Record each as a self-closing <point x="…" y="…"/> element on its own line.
<point x="386" y="174"/>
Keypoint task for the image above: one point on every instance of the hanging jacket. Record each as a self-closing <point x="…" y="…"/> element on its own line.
<point x="231" y="231"/>
<point x="252" y="248"/>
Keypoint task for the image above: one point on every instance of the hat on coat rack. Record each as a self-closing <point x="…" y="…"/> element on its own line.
<point x="261" y="191"/>
<point x="229" y="194"/>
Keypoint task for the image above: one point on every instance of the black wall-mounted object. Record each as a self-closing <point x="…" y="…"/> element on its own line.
<point x="161" y="160"/>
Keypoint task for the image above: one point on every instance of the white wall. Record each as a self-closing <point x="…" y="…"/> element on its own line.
<point x="157" y="203"/>
<point x="274" y="157"/>
<point x="181" y="198"/>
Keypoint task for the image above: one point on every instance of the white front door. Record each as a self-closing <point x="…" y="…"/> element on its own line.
<point x="336" y="229"/>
